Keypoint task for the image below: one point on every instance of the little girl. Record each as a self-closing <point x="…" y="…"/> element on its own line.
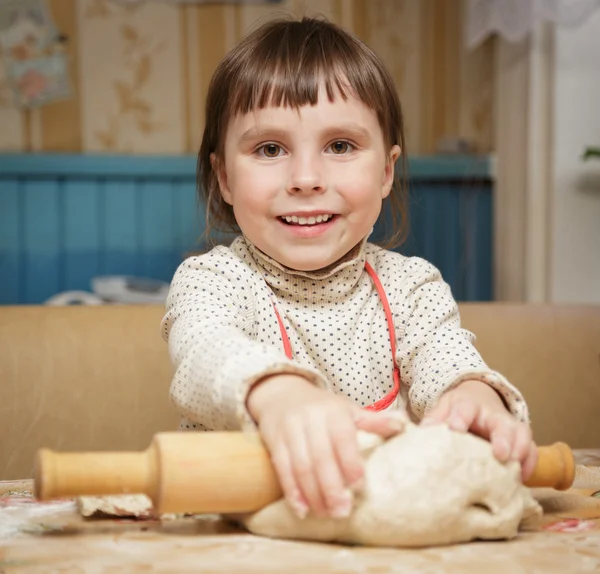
<point x="301" y="328"/>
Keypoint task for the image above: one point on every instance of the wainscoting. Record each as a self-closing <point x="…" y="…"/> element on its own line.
<point x="65" y="219"/>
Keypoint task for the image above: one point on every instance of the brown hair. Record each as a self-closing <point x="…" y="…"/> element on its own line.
<point x="284" y="62"/>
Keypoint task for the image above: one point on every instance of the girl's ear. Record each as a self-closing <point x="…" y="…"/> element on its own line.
<point x="388" y="174"/>
<point x="219" y="169"/>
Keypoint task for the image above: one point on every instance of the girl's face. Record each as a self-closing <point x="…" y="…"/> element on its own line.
<point x="306" y="185"/>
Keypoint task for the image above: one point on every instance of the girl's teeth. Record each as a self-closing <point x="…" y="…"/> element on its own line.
<point x="312" y="220"/>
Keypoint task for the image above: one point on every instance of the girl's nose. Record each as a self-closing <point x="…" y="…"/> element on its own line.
<point x="306" y="176"/>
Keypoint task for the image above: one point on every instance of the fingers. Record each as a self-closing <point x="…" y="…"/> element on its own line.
<point x="337" y="461"/>
<point x="302" y="462"/>
<point x="294" y="467"/>
<point x="439" y="413"/>
<point x="523" y="449"/>
<point x="502" y="436"/>
<point x="522" y="442"/>
<point x="291" y="491"/>
<point x="316" y="463"/>
<point x="329" y="446"/>
<point x="463" y="415"/>
<point x="512" y="440"/>
<point x="459" y="415"/>
<point x="528" y="466"/>
<point x="384" y="424"/>
<point x="349" y="459"/>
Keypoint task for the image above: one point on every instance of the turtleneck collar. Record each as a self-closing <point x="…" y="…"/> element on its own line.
<point x="328" y="284"/>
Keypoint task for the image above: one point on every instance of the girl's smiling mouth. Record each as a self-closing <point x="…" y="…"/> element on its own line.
<point x="307" y="225"/>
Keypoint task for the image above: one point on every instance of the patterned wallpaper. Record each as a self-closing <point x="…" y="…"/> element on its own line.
<point x="140" y="72"/>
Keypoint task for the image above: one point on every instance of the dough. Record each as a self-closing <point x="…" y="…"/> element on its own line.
<point x="122" y="505"/>
<point x="427" y="486"/>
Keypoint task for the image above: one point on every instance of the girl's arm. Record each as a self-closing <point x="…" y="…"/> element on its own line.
<point x="434" y="353"/>
<point x="447" y="378"/>
<point x="209" y="325"/>
<point x="225" y="379"/>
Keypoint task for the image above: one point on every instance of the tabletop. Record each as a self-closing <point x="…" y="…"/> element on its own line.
<point x="50" y="537"/>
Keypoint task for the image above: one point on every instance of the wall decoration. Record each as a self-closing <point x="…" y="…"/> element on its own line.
<point x="33" y="53"/>
<point x="131" y="77"/>
<point x="139" y="69"/>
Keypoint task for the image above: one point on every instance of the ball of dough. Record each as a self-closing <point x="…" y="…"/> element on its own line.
<point x="427" y="486"/>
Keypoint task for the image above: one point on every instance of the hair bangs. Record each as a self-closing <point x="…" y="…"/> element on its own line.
<point x="288" y="80"/>
<point x="291" y="65"/>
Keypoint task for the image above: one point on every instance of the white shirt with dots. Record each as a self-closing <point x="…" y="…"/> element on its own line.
<point x="224" y="336"/>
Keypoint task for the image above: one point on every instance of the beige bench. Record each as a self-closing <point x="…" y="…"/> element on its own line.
<point x="97" y="377"/>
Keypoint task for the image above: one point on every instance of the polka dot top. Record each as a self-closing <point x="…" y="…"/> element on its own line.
<point x="224" y="336"/>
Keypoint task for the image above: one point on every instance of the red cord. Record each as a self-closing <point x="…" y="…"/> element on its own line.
<point x="287" y="345"/>
<point x="386" y="401"/>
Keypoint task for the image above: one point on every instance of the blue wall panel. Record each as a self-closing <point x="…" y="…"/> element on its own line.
<point x="66" y="219"/>
<point x="119" y="227"/>
<point x="43" y="245"/>
<point x="451" y="226"/>
<point x="188" y="218"/>
<point x="10" y="240"/>
<point x="156" y="233"/>
<point x="82" y="232"/>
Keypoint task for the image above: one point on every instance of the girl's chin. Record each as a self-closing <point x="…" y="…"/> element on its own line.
<point x="316" y="263"/>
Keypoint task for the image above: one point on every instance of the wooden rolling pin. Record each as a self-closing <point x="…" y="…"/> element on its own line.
<point x="208" y="472"/>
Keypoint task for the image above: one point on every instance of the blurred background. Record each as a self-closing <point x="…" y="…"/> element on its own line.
<point x="102" y="112"/>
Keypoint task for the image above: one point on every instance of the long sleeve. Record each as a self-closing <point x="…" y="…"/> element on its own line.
<point x="210" y="327"/>
<point x="434" y="352"/>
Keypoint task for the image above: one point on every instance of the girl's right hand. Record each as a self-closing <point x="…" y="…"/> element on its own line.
<point x="311" y="436"/>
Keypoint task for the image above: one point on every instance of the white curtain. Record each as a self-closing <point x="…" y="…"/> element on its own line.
<point x="514" y="19"/>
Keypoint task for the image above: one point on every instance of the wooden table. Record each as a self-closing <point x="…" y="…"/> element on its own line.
<point x="52" y="537"/>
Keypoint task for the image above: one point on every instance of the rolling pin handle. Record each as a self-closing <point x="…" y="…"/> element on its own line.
<point x="555" y="467"/>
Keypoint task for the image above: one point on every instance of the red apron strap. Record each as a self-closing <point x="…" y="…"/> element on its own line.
<point x="287" y="345"/>
<point x="386" y="401"/>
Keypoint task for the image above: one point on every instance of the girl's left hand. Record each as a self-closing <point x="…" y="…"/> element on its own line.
<point x="476" y="407"/>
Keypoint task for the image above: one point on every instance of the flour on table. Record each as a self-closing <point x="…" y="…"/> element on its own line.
<point x="427" y="486"/>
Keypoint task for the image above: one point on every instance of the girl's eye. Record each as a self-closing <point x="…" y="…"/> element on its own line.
<point x="269" y="150"/>
<point x="340" y="147"/>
